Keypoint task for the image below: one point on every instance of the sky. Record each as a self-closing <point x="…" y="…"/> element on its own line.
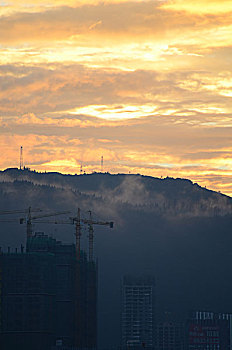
<point x="147" y="85"/>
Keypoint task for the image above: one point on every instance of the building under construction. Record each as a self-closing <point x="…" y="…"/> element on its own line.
<point x="48" y="296"/>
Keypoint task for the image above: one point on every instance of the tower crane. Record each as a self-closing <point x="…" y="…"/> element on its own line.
<point x="71" y="221"/>
<point x="18" y="211"/>
<point x="90" y="222"/>
<point x="29" y="220"/>
<point x="77" y="220"/>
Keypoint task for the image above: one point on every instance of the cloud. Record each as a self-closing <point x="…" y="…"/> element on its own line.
<point x="94" y="25"/>
<point x="146" y="84"/>
<point x="75" y="89"/>
<point x="131" y="190"/>
<point x="109" y="20"/>
<point x="150" y="145"/>
<point x="199" y="6"/>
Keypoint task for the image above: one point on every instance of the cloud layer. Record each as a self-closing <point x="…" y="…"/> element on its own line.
<point x="146" y="84"/>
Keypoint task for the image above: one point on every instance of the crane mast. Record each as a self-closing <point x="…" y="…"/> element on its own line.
<point x="29" y="224"/>
<point x="30" y="219"/>
<point x="78" y="235"/>
<point x="21" y="220"/>
<point x="90" y="237"/>
<point x="78" y="221"/>
<point x="84" y="269"/>
<point x="90" y="222"/>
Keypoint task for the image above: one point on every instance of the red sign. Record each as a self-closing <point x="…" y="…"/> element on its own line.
<point x="203" y="334"/>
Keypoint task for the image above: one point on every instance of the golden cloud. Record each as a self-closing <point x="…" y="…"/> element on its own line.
<point x="200" y="156"/>
<point x="146" y="84"/>
<point x="199" y="6"/>
<point x="110" y="22"/>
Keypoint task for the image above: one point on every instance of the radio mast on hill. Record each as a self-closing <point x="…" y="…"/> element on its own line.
<point x="21" y="158"/>
<point x="101" y="164"/>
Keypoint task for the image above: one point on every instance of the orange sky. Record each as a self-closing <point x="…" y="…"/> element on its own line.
<point x="146" y="84"/>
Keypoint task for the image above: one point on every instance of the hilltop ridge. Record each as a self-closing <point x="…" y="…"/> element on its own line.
<point x="170" y="228"/>
<point x="164" y="196"/>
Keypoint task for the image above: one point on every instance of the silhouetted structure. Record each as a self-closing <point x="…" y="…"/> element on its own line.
<point x="209" y="330"/>
<point x="169" y="336"/>
<point x="138" y="312"/>
<point x="40" y="301"/>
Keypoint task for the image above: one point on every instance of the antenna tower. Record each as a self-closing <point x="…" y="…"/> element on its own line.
<point x="81" y="169"/>
<point x="101" y="164"/>
<point x="21" y="158"/>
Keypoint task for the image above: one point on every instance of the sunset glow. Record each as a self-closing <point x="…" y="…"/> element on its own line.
<point x="145" y="84"/>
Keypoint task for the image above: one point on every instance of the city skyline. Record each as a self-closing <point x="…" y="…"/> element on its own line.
<point x="170" y="229"/>
<point x="145" y="84"/>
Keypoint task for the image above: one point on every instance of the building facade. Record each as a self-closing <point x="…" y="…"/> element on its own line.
<point x="45" y="297"/>
<point x="169" y="336"/>
<point x="138" y="312"/>
<point x="209" y="331"/>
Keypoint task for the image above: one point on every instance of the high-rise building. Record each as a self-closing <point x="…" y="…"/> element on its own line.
<point x="209" y="330"/>
<point x="169" y="336"/>
<point x="48" y="297"/>
<point x="138" y="312"/>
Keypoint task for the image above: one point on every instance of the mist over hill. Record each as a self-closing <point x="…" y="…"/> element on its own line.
<point x="171" y="228"/>
<point x="177" y="197"/>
